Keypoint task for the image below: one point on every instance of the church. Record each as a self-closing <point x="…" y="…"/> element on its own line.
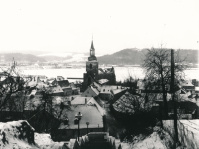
<point x="94" y="73"/>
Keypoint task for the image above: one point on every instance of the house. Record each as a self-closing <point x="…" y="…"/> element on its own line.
<point x="67" y="91"/>
<point x="35" y="81"/>
<point x="87" y="101"/>
<point x="91" y="121"/>
<point x="75" y="90"/>
<point x="66" y="87"/>
<point x="128" y="103"/>
<point x="40" y="83"/>
<point x="107" y="92"/>
<point x="52" y="81"/>
<point x="188" y="86"/>
<point x="117" y="93"/>
<point x="56" y="90"/>
<point x="91" y="91"/>
<point x="63" y="83"/>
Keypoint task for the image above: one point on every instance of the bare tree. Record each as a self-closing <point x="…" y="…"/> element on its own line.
<point x="12" y="89"/>
<point x="10" y="85"/>
<point x="158" y="71"/>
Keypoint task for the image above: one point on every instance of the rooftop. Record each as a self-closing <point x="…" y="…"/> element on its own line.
<point x="80" y="100"/>
<point x="89" y="113"/>
<point x="103" y="81"/>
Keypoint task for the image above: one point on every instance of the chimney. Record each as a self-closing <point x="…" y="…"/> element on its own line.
<point x="85" y="101"/>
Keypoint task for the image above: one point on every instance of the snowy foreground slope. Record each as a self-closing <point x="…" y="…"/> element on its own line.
<point x="159" y="139"/>
<point x="20" y="135"/>
<point x="188" y="132"/>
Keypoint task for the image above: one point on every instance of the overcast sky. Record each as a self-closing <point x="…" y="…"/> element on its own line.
<point x="68" y="26"/>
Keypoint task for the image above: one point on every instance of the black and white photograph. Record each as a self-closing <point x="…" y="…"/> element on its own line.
<point x="99" y="74"/>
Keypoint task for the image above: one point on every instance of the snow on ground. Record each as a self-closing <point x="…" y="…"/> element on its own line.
<point x="20" y="135"/>
<point x="16" y="134"/>
<point x="45" y="141"/>
<point x="159" y="139"/>
<point x="153" y="141"/>
<point x="188" y="132"/>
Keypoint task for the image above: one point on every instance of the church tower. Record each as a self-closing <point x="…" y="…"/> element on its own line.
<point x="91" y="68"/>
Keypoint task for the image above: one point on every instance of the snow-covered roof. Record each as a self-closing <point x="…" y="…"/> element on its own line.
<point x="92" y="90"/>
<point x="196" y="88"/>
<point x="80" y="100"/>
<point x="87" y="101"/>
<point x="45" y="141"/>
<point x="56" y="89"/>
<point x="63" y="83"/>
<point x="107" y="89"/>
<point x="33" y="92"/>
<point x="116" y="91"/>
<point x="95" y="90"/>
<point x="127" y="102"/>
<point x="187" y="83"/>
<point x="96" y="85"/>
<point x="89" y="114"/>
<point x="103" y="81"/>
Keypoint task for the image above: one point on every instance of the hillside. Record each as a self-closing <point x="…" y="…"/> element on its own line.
<point x="136" y="57"/>
<point x="123" y="57"/>
<point x="55" y="58"/>
<point x="19" y="57"/>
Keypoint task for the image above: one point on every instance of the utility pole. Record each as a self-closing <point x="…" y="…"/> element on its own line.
<point x="173" y="96"/>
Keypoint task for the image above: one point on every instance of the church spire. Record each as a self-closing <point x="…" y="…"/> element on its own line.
<point x="92" y="49"/>
<point x="92" y="52"/>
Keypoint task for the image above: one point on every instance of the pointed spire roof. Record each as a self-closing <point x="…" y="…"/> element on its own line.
<point x="92" y="46"/>
<point x="92" y="52"/>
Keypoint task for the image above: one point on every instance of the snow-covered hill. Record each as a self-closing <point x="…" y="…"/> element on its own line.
<point x="20" y="135"/>
<point x="159" y="139"/>
<point x="64" y="57"/>
<point x="16" y="134"/>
